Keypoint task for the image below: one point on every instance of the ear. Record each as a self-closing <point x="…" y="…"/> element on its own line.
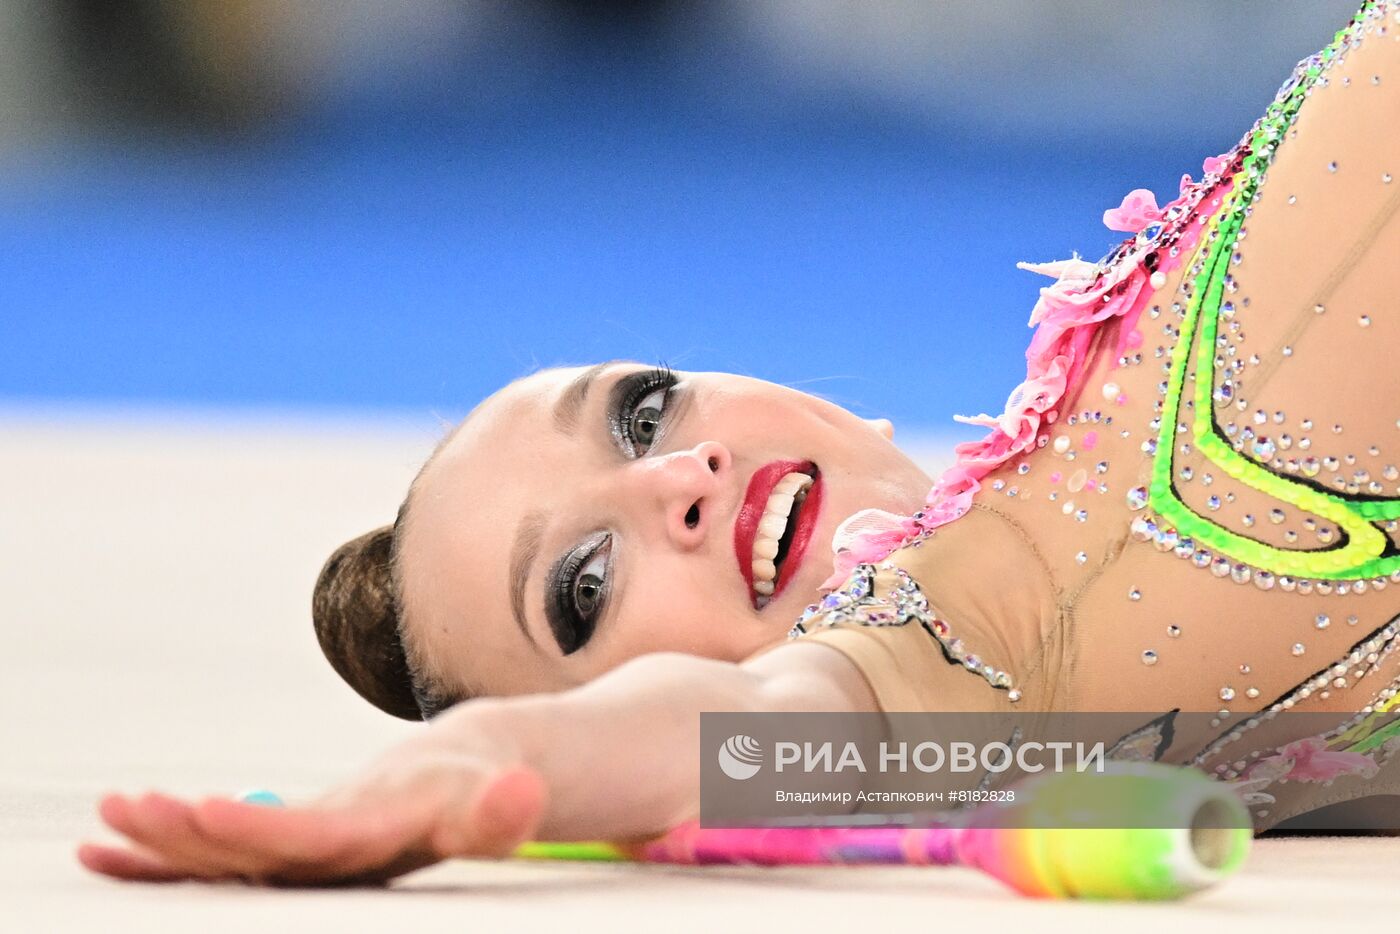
<point x="883" y="425"/>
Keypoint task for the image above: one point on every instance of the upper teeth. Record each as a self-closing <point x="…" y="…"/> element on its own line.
<point x="792" y="489"/>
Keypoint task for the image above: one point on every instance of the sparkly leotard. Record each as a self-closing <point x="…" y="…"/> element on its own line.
<point x="1192" y="502"/>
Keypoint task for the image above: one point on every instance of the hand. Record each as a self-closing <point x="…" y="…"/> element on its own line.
<point x="418" y="807"/>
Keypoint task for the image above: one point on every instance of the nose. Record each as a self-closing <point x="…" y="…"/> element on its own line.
<point x="686" y="488"/>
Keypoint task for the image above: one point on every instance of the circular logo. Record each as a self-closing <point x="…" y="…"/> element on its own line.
<point x="740" y="757"/>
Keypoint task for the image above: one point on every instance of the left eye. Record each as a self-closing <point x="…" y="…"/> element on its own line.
<point x="644" y="421"/>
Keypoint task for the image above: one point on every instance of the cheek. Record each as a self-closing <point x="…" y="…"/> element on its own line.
<point x="678" y="610"/>
<point x="760" y="411"/>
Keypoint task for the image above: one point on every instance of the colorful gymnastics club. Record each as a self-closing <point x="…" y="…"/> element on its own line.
<point x="1180" y="832"/>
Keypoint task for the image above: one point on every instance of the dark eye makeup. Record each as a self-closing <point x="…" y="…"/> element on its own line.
<point x="578" y="589"/>
<point x="579" y="581"/>
<point x="636" y="407"/>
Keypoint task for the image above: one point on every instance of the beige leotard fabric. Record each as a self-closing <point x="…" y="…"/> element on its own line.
<point x="1059" y="575"/>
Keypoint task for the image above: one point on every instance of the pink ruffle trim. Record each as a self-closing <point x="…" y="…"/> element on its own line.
<point x="1067" y="318"/>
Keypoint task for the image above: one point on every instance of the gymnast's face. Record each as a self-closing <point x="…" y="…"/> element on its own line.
<point x="582" y="517"/>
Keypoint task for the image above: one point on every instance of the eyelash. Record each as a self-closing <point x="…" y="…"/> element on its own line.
<point x="633" y="390"/>
<point x="572" y="632"/>
<point x="572" y="629"/>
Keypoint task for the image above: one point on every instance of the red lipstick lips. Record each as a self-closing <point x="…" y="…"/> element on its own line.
<point x="802" y="522"/>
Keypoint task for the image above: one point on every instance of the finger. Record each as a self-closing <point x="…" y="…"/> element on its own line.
<point x="165" y="826"/>
<point x="124" y="815"/>
<point x="311" y="844"/>
<point x="128" y="865"/>
<point x="305" y="834"/>
<point x="507" y="811"/>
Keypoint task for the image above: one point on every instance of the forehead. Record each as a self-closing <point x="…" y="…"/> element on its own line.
<point x="513" y="425"/>
<point x="506" y="460"/>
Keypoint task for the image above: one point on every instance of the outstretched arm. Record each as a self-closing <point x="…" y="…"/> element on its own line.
<point x="614" y="759"/>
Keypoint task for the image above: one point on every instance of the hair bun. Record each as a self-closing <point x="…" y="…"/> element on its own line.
<point x="357" y="622"/>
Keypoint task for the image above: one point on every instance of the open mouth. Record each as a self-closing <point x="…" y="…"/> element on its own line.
<point x="774" y="526"/>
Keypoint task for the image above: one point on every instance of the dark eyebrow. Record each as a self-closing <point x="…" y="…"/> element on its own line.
<point x="522" y="556"/>
<point x="571" y="400"/>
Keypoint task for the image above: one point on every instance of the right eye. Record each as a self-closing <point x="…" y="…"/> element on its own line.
<point x="588" y="586"/>
<point x="580" y="593"/>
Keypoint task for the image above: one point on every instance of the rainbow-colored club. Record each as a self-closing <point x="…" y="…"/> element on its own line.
<point x="1185" y="833"/>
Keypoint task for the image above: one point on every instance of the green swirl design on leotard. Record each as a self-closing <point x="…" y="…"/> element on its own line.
<point x="1363" y="549"/>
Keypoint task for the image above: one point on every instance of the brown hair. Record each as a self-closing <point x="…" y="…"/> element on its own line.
<point x="356" y="610"/>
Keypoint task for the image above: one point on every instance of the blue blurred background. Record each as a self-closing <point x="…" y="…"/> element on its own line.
<point x="401" y="206"/>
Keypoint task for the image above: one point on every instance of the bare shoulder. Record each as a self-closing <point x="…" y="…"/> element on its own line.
<point x="811" y="676"/>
